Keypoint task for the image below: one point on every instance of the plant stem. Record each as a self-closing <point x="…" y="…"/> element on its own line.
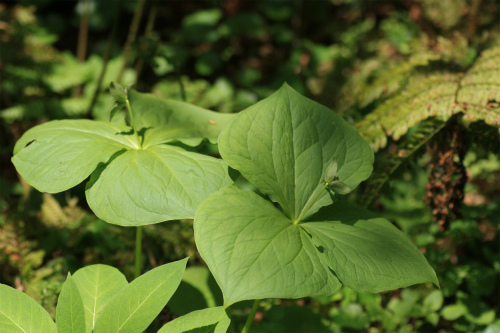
<point x="251" y="317"/>
<point x="149" y="28"/>
<point x="132" y="121"/>
<point x="82" y="40"/>
<point x="132" y="34"/>
<point x="138" y="251"/>
<point x="304" y="211"/>
<point x="105" y="58"/>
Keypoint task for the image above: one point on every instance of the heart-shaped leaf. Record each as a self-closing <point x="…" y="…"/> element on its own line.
<point x="19" y="313"/>
<point x="70" y="314"/>
<point x="155" y="184"/>
<point x="211" y="320"/>
<point x="97" y="284"/>
<point x="157" y="181"/>
<point x="138" y="304"/>
<point x="285" y="146"/>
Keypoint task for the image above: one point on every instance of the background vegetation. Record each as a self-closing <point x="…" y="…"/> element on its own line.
<point x="420" y="79"/>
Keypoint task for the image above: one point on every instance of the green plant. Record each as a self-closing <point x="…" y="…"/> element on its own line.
<point x="303" y="241"/>
<point x="139" y="174"/>
<point x="98" y="298"/>
<point x="309" y="242"/>
<point x="474" y="93"/>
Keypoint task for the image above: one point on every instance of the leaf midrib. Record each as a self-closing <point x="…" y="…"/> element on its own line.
<point x="12" y="321"/>
<point x="145" y="299"/>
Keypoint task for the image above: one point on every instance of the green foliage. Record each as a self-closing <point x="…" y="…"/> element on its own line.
<point x="97" y="286"/>
<point x="369" y="61"/>
<point x="256" y="250"/>
<point x="425" y="132"/>
<point x="474" y="93"/>
<point x="212" y="320"/>
<point x="20" y="313"/>
<point x="70" y="316"/>
<point x="68" y="151"/>
<point x="87" y="303"/>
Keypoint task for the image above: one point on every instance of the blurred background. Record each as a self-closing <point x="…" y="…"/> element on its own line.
<point x="376" y="63"/>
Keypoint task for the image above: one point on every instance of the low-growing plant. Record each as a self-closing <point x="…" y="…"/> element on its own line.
<point x="297" y="238"/>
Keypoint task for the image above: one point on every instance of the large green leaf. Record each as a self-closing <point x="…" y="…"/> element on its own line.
<point x="138" y="304"/>
<point x="70" y="313"/>
<point x="284" y="145"/>
<point x="367" y="253"/>
<point x="19" y="313"/>
<point x="153" y="185"/>
<point x="97" y="284"/>
<point x="196" y="123"/>
<point x="211" y="320"/>
<point x="287" y="146"/>
<point x="60" y="154"/>
<point x="132" y="183"/>
<point x="255" y="251"/>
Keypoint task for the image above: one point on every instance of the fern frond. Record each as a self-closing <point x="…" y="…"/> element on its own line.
<point x="479" y="92"/>
<point x="476" y="94"/>
<point x="426" y="131"/>
<point x="394" y="78"/>
<point x="424" y="97"/>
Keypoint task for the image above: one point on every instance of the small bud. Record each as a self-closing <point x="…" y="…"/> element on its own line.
<point x="338" y="187"/>
<point x="118" y="92"/>
<point x="331" y="171"/>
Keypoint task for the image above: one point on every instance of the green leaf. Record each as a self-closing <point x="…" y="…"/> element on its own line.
<point x="211" y="320"/>
<point x="151" y="111"/>
<point x="254" y="251"/>
<point x="60" y="154"/>
<point x="434" y="301"/>
<point x="98" y="284"/>
<point x="118" y="92"/>
<point x="19" y="313"/>
<point x="138" y="304"/>
<point x="367" y="253"/>
<point x="284" y="145"/>
<point x="70" y="314"/>
<point x="453" y="311"/>
<point x="153" y="185"/>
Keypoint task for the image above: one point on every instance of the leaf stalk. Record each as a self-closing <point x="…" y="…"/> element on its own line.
<point x="132" y="121"/>
<point x="138" y="251"/>
<point x="304" y="211"/>
<point x="251" y="317"/>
